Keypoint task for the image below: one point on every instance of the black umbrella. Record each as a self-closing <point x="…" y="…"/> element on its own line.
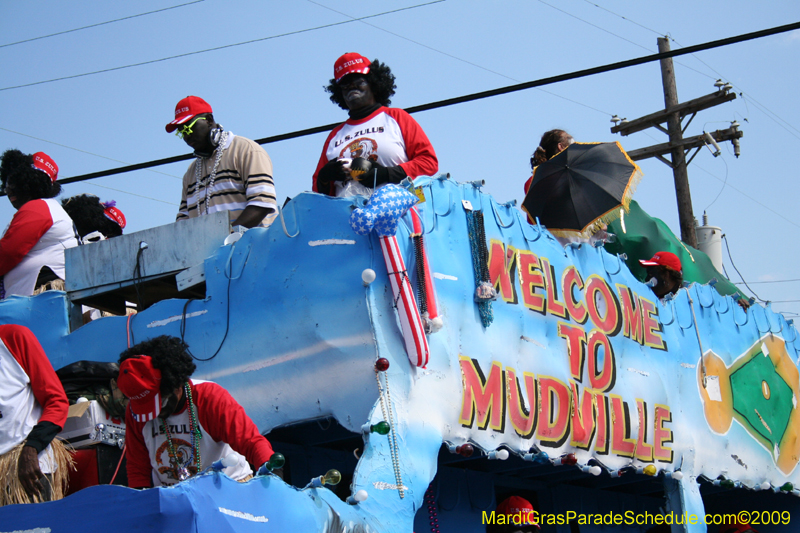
<point x="581" y="188"/>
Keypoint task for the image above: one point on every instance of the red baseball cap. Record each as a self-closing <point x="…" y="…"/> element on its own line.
<point x="43" y="162"/>
<point x="519" y="511"/>
<point x="186" y="109"/>
<point x="350" y="63"/>
<point x="667" y="259"/>
<point x="141" y="383"/>
<point x="112" y="213"/>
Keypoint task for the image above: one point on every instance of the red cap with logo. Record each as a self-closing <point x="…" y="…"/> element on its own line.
<point x="350" y="63"/>
<point x="667" y="259"/>
<point x="141" y="383"/>
<point x="189" y="107"/>
<point x="519" y="511"/>
<point x="43" y="162"/>
<point x="112" y="213"/>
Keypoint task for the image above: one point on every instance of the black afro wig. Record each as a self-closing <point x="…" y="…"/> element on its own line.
<point x="170" y="355"/>
<point x="381" y="82"/>
<point x="16" y="169"/>
<point x="87" y="213"/>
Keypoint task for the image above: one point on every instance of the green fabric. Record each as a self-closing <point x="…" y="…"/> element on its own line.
<point x="645" y="235"/>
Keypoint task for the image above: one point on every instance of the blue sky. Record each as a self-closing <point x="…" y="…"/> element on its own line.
<point x="437" y="50"/>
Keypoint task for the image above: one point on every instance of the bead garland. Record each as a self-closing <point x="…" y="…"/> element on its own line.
<point x="181" y="472"/>
<point x="199" y="167"/>
<point x="422" y="296"/>
<point x="392" y="436"/>
<point x="480" y="263"/>
<point x="430" y="500"/>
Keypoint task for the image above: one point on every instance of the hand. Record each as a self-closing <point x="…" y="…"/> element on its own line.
<point x="29" y="472"/>
<point x="332" y="171"/>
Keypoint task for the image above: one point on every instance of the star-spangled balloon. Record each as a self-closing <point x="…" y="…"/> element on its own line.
<point x="383" y="211"/>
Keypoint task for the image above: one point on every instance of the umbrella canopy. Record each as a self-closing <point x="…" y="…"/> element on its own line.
<point x="582" y="188"/>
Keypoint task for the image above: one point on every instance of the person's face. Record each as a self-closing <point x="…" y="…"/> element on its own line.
<point x="13" y="197"/>
<point x="195" y="134"/>
<point x="666" y="284"/>
<point x="356" y="92"/>
<point x="170" y="403"/>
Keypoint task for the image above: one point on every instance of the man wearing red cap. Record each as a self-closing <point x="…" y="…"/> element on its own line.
<point x="176" y="426"/>
<point x="388" y="144"/>
<point x="664" y="273"/>
<point x="32" y="247"/>
<point x="230" y="173"/>
<point x="514" y="515"/>
<point x="33" y="409"/>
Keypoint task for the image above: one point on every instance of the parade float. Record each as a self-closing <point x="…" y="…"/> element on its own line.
<point x="352" y="336"/>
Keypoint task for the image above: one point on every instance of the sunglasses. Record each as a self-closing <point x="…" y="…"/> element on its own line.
<point x="186" y="129"/>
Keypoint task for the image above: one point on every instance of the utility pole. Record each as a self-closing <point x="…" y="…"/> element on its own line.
<point x="679" y="172"/>
<point x="673" y="114"/>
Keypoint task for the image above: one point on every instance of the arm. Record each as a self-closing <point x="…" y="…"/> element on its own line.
<point x="183" y="209"/>
<point x="47" y="390"/>
<point x="251" y="216"/>
<point x="422" y="160"/>
<point x="225" y="421"/>
<point x="46" y="387"/>
<point x="27" y="226"/>
<point x="322" y="186"/>
<point x="138" y="458"/>
<point x="255" y="169"/>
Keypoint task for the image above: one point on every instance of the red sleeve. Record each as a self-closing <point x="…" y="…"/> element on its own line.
<point x="527" y="187"/>
<point x="323" y="159"/>
<point x="422" y="159"/>
<point x="46" y="386"/>
<point x="225" y="421"/>
<point x="29" y="223"/>
<point x="137" y="456"/>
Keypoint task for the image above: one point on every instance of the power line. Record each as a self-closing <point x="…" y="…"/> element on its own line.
<point x="131" y="193"/>
<point x="594" y="25"/>
<point x="187" y="54"/>
<point x="461" y="59"/>
<point x="476" y="96"/>
<point x="774" y="116"/>
<point x="100" y="24"/>
<point x="83" y="151"/>
<point x="771" y="281"/>
<point x="660" y="34"/>
<point x="750" y="197"/>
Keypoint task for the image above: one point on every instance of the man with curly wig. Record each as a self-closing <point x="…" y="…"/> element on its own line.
<point x="388" y="138"/>
<point x="177" y="426"/>
<point x="94" y="220"/>
<point x="32" y="247"/>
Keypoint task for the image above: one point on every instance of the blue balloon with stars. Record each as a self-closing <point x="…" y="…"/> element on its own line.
<point x="383" y="211"/>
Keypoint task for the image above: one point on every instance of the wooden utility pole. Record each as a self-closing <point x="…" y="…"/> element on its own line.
<point x="673" y="114"/>
<point x="679" y="172"/>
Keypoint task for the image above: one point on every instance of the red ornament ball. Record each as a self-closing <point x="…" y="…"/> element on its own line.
<point x="569" y="459"/>
<point x="382" y="364"/>
<point x="465" y="450"/>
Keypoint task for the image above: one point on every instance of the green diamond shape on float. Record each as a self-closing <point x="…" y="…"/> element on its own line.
<point x="763" y="399"/>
